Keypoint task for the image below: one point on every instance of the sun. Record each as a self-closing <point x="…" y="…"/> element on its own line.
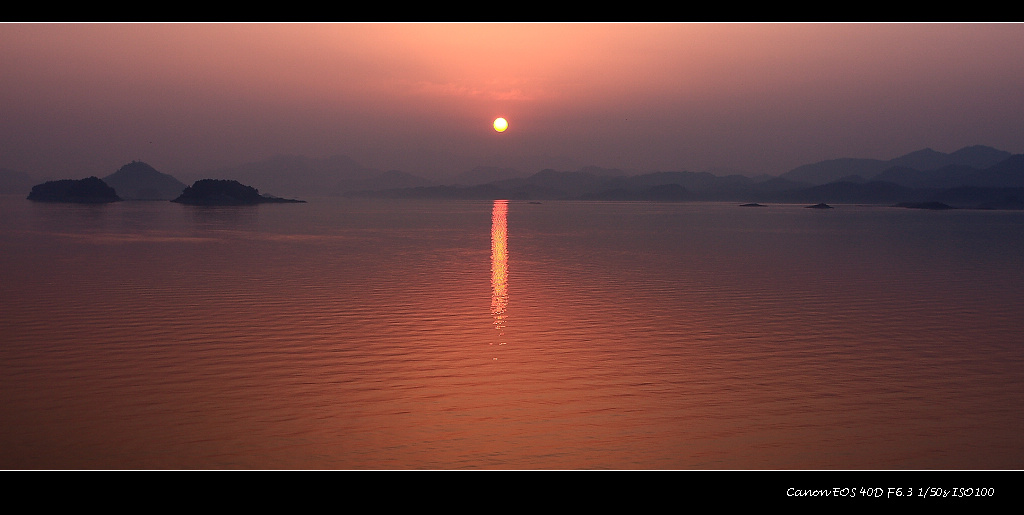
<point x="500" y="124"/>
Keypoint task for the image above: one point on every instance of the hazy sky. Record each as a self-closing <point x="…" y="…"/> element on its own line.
<point x="84" y="99"/>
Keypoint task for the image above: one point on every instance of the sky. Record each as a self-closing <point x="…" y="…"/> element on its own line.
<point x="83" y="99"/>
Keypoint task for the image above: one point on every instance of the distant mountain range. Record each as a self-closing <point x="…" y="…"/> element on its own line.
<point x="304" y="176"/>
<point x="13" y="181"/>
<point x="975" y="176"/>
<point x="924" y="168"/>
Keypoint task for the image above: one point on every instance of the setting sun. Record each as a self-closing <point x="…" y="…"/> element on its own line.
<point x="500" y="124"/>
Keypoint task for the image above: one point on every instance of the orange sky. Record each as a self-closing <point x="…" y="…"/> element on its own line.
<point x="84" y="99"/>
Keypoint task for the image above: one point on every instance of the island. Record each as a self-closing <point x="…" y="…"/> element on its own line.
<point x="90" y="190"/>
<point x="218" y="192"/>
<point x="925" y="205"/>
<point x="821" y="205"/>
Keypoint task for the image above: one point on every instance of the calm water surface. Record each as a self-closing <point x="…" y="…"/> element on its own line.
<point x="425" y="334"/>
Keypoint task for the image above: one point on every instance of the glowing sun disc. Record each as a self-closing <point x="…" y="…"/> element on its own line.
<point x="500" y="124"/>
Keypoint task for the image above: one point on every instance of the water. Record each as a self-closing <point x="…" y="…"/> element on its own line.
<point x="353" y="334"/>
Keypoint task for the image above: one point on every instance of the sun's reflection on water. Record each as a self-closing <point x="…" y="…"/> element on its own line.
<point x="499" y="265"/>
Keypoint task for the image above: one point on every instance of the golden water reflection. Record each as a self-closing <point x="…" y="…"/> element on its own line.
<point x="499" y="264"/>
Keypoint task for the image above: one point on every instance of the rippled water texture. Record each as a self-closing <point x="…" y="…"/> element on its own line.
<point x="414" y="334"/>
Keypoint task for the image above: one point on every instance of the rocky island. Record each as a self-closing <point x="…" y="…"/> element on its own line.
<point x="218" y="192"/>
<point x="90" y="190"/>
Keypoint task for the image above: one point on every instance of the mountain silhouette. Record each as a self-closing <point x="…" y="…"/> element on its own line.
<point x="979" y="156"/>
<point x="832" y="170"/>
<point x="1008" y="173"/>
<point x="485" y="174"/>
<point x="957" y="182"/>
<point x="13" y="181"/>
<point x="847" y="192"/>
<point x="139" y="181"/>
<point x="974" y="176"/>
<point x="662" y="193"/>
<point x="944" y="177"/>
